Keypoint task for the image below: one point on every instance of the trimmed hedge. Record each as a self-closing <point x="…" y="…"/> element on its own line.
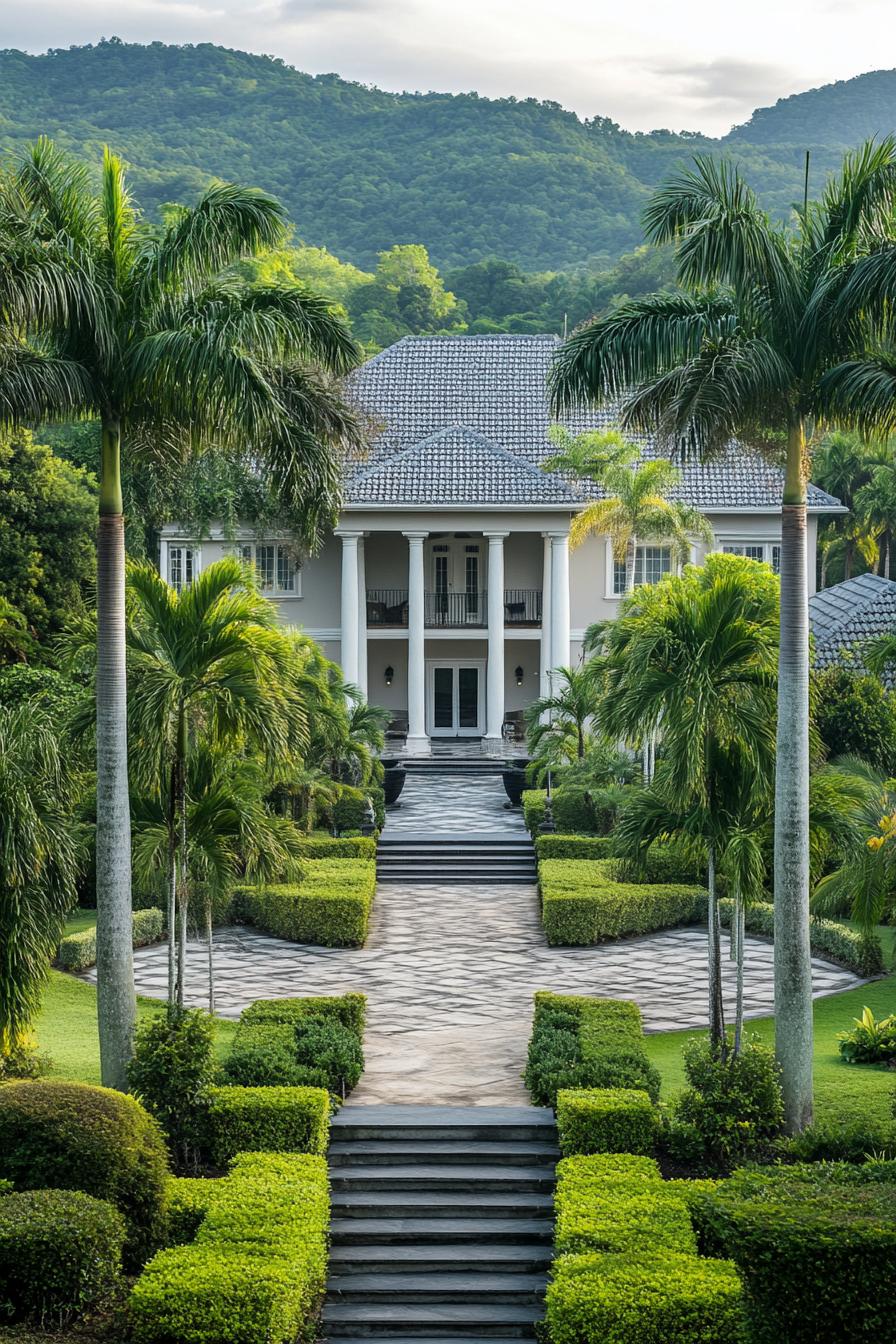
<point x="583" y="902"/>
<point x="580" y="1042"/>
<point x="652" y="1300"/>
<point x="314" y="1042"/>
<point x="815" y="1246"/>
<point x="605" y="1120"/>
<point x="329" y="907"/>
<point x="346" y="847"/>
<point x="572" y="812"/>
<point x="77" y="951"/>
<point x="350" y="808"/>
<point x="858" y="952"/>
<point x="60" y="1253"/>
<point x="627" y="1268"/>
<point x="267" y="1119"/>
<point x="573" y="846"/>
<point x="76" y="1137"/>
<point x="256" y="1272"/>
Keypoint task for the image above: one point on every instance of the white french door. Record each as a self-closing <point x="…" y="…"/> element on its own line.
<point x="455" y="698"/>
<point x="456" y="577"/>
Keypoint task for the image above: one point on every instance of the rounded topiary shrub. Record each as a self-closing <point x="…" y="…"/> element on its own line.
<point x="76" y="1137"/>
<point x="60" y="1253"/>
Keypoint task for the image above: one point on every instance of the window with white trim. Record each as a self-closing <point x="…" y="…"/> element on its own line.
<point x="767" y="551"/>
<point x="180" y="567"/>
<point x="274" y="566"/>
<point x="652" y="563"/>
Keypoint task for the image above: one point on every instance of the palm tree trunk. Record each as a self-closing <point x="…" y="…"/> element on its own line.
<point x="714" y="941"/>
<point x="210" y="945"/>
<point x="793" y="966"/>
<point x="172" y="886"/>
<point x="740" y="914"/>
<point x="847" y="556"/>
<point x="116" y="999"/>
<point x="183" y="895"/>
<point x="630" y="557"/>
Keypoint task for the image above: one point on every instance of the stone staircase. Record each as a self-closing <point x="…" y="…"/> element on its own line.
<point x="498" y="859"/>
<point x="442" y="1221"/>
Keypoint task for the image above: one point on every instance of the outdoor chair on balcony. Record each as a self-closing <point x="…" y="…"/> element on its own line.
<point x="515" y="611"/>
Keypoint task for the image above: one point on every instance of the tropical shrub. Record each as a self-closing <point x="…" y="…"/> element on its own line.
<point x="267" y="1119"/>
<point x="60" y="1253"/>
<point x="291" y="1042"/>
<point x="815" y="1246"/>
<point x="858" y="952"/>
<point x="733" y="1108"/>
<point x="75" y="1137"/>
<point x="840" y="1140"/>
<point x="855" y="716"/>
<point x="871" y="1041"/>
<point x="77" y="951"/>
<point x="572" y="811"/>
<point x="350" y="808"/>
<point x="257" y="1268"/>
<point x="330" y="906"/>
<point x="605" y="1120"/>
<point x="171" y="1070"/>
<point x="584" y="903"/>
<point x="580" y="1042"/>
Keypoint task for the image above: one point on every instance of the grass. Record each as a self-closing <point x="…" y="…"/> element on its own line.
<point x="66" y="1028"/>
<point x="79" y="920"/>
<point x="845" y="1091"/>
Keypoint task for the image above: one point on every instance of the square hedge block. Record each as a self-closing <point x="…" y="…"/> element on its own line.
<point x="605" y="1120"/>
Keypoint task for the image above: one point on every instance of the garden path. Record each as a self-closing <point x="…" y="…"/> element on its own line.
<point x="450" y="971"/>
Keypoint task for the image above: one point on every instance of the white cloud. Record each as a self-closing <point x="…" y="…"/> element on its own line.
<point x="697" y="65"/>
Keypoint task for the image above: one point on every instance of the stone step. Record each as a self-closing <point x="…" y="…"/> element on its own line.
<point x="471" y="846"/>
<point x="355" y="1123"/>
<point x="455" y="877"/>
<point x="466" y="1320"/>
<point x="468" y="1258"/>
<point x="472" y="1179"/>
<point x="437" y="1287"/>
<point x="379" y="1203"/>
<point x="432" y="1232"/>
<point x="515" y="1152"/>
<point x="436" y="840"/>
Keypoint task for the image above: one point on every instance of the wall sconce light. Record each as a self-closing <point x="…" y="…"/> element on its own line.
<point x="518" y="673"/>
<point x="389" y="674"/>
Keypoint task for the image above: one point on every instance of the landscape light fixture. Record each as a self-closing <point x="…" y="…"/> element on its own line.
<point x="518" y="673"/>
<point x="389" y="674"/>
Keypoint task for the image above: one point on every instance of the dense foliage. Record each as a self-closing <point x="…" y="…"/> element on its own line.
<point x="359" y="169"/>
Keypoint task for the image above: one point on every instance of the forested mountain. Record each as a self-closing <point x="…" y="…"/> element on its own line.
<point x="361" y="170"/>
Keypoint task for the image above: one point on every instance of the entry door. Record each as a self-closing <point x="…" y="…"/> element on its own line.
<point x="454" y="699"/>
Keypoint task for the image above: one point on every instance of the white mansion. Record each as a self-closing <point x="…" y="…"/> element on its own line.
<point x="448" y="591"/>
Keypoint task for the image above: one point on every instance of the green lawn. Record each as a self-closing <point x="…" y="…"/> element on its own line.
<point x="66" y="1028"/>
<point x="79" y="920"/>
<point x="847" y="1090"/>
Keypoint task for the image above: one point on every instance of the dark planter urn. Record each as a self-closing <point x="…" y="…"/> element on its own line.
<point x="514" y="783"/>
<point x="393" y="782"/>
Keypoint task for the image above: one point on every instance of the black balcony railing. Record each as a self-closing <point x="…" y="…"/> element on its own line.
<point x="389" y="607"/>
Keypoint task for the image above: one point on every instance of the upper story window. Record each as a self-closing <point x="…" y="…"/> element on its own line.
<point x="181" y="567"/>
<point x="652" y="563"/>
<point x="769" y="551"/>
<point x="274" y="566"/>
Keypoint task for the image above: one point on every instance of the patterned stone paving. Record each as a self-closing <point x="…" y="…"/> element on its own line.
<point x="450" y="972"/>
<point x="440" y="802"/>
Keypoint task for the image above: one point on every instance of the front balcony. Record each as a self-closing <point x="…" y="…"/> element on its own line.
<point x="388" y="607"/>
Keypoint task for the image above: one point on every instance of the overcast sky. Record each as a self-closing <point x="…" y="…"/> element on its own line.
<point x="695" y="65"/>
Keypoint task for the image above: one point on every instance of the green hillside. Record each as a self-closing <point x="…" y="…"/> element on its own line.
<point x="361" y="170"/>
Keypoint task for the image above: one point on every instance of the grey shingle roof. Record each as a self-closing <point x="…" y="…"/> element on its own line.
<point x="462" y="466"/>
<point x="494" y="387"/>
<point x="844" y="617"/>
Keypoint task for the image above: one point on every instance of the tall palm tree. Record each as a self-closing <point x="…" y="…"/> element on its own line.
<point x="696" y="656"/>
<point x="210" y="667"/>
<point x="635" y="506"/>
<point x="556" y="724"/>
<point x="38" y="864"/>
<point x="779" y="328"/>
<point x="876" y="507"/>
<point x="140" y="327"/>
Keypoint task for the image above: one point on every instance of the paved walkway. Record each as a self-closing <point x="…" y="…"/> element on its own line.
<point x="450" y="971"/>
<point x="440" y="802"/>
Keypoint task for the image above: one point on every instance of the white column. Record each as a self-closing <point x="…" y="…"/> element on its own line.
<point x="418" y="742"/>
<point x="545" y="665"/>
<point x="362" y="618"/>
<point x="560" y="599"/>
<point x="349" y="643"/>
<point x="494" y="693"/>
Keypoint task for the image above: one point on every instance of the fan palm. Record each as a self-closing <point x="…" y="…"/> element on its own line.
<point x="103" y="316"/>
<point x="778" y="329"/>
<point x="38" y="863"/>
